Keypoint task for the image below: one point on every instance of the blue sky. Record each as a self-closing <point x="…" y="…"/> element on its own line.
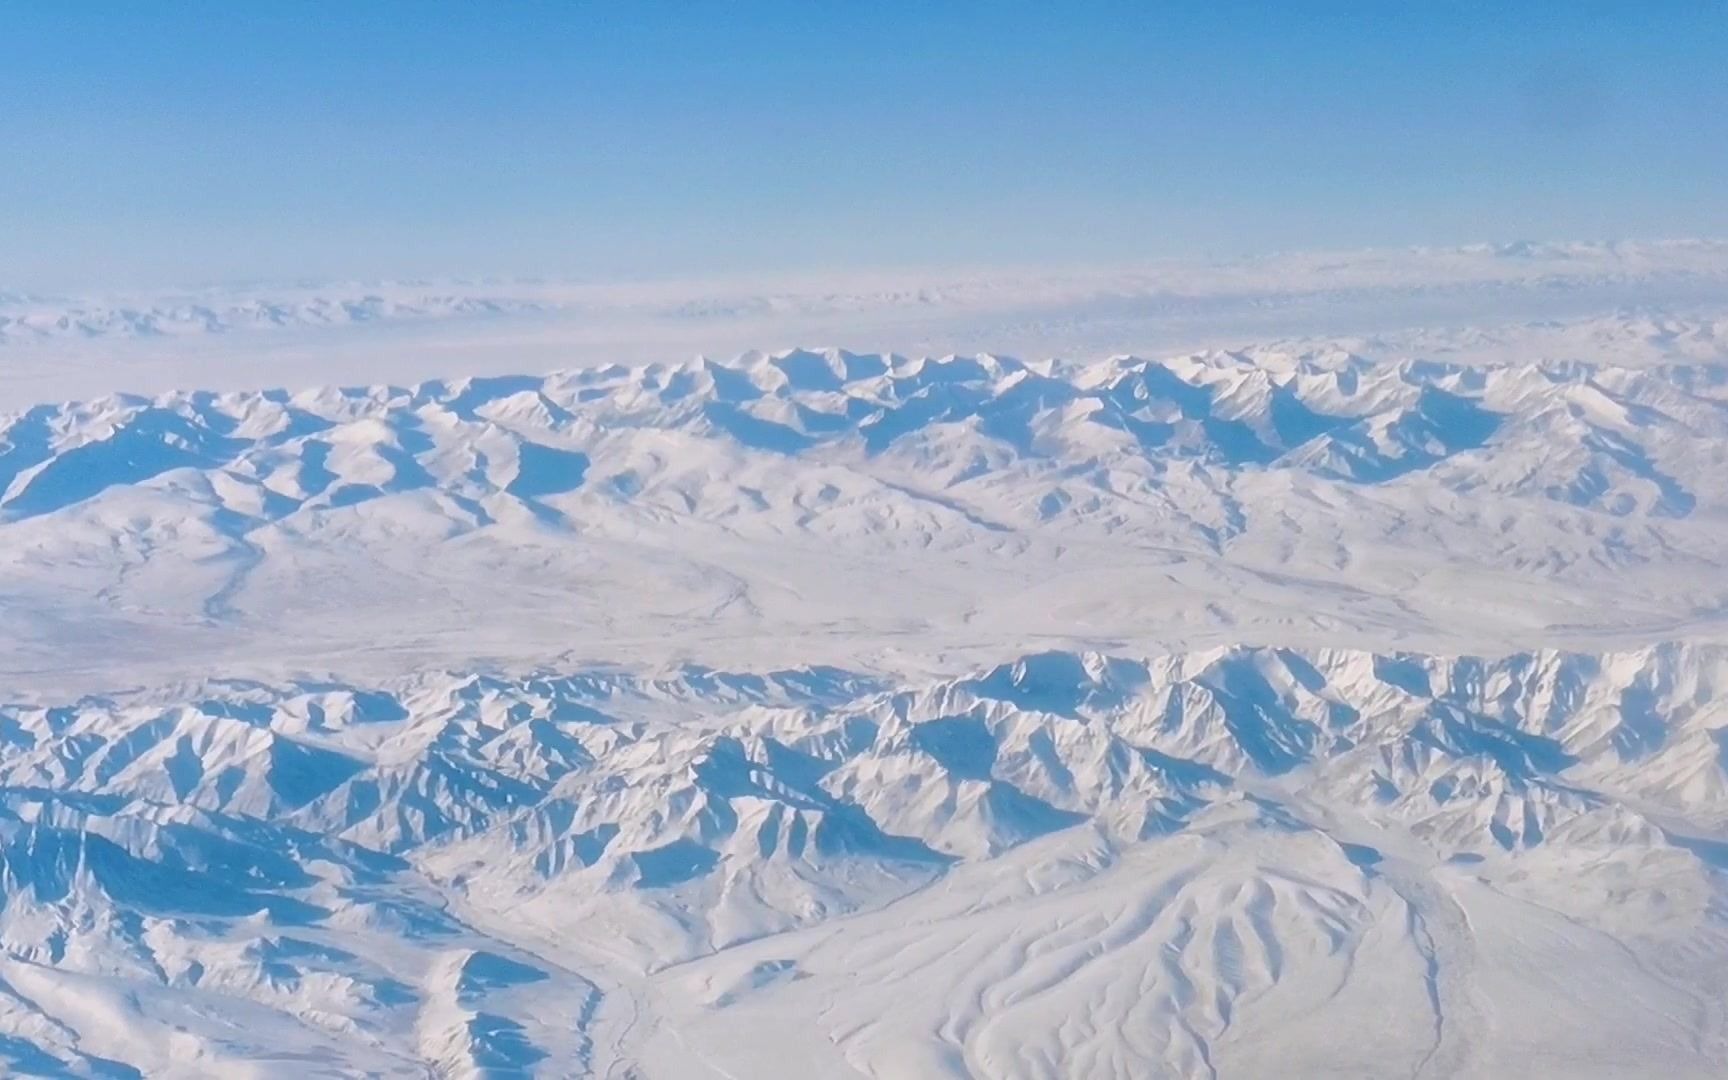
<point x="189" y="142"/>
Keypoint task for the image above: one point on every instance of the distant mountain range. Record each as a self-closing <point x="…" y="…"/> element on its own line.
<point x="1695" y="269"/>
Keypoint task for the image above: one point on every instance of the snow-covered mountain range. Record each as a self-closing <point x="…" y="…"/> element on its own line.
<point x="1070" y="864"/>
<point x="707" y="510"/>
<point x="822" y="713"/>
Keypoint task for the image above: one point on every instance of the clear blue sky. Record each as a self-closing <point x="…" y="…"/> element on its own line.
<point x="147" y="143"/>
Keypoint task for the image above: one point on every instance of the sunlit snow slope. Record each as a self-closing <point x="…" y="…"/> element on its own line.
<point x="1270" y="712"/>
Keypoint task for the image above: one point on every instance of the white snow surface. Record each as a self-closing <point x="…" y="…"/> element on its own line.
<point x="1352" y="705"/>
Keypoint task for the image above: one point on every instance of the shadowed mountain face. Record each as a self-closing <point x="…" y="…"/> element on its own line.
<point x="483" y="871"/>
